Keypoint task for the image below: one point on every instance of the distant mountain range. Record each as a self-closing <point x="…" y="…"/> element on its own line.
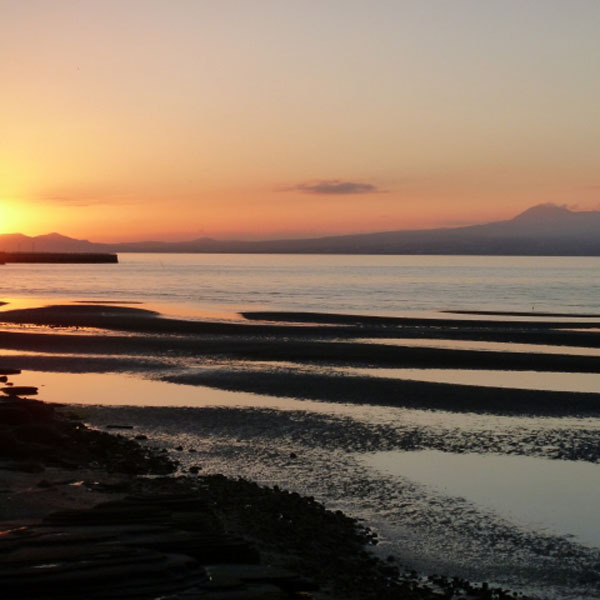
<point x="545" y="229"/>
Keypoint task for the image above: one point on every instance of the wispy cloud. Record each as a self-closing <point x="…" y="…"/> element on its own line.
<point x="71" y="200"/>
<point x="83" y="196"/>
<point x="335" y="187"/>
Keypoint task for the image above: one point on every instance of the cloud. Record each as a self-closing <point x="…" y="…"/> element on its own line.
<point x="335" y="187"/>
<point x="71" y="201"/>
<point x="83" y="196"/>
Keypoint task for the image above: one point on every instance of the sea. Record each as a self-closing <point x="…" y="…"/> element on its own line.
<point x="486" y="497"/>
<point x="223" y="284"/>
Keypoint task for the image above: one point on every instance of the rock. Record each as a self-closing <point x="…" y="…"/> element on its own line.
<point x="254" y="573"/>
<point x="10" y="371"/>
<point x="117" y="426"/>
<point x="95" y="571"/>
<point x="19" y="390"/>
<point x="46" y="434"/>
<point x="23" y="466"/>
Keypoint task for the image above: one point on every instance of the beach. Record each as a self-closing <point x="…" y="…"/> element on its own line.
<point x="315" y="404"/>
<point x="299" y="300"/>
<point x="81" y="504"/>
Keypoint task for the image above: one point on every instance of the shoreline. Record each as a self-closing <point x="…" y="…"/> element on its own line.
<point x="261" y="358"/>
<point x="88" y="482"/>
<point x="138" y="341"/>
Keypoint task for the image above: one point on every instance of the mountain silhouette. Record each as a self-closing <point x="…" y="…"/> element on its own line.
<point x="545" y="229"/>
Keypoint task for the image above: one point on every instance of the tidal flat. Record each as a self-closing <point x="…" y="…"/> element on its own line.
<point x="295" y="401"/>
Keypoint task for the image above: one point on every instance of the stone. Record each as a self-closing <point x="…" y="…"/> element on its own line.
<point x="10" y="371"/>
<point x="19" y="390"/>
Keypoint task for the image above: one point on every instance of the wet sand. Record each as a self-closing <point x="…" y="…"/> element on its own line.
<point x="137" y="339"/>
<point x="246" y="356"/>
<point x="81" y="518"/>
<point x="322" y="455"/>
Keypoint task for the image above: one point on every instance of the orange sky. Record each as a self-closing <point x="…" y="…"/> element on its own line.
<point x="151" y="119"/>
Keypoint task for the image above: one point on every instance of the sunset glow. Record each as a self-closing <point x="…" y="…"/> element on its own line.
<point x="16" y="216"/>
<point x="146" y="119"/>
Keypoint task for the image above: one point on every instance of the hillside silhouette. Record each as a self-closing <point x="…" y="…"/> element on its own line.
<point x="545" y="229"/>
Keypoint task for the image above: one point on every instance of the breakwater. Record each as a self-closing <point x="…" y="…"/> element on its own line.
<point x="57" y="257"/>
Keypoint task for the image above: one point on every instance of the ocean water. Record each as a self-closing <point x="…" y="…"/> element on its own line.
<point x="470" y="497"/>
<point x="221" y="284"/>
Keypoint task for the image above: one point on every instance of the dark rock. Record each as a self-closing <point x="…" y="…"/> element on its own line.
<point x="40" y="433"/>
<point x="20" y="390"/>
<point x="10" y="371"/>
<point x="89" y="571"/>
<point x="253" y="573"/>
<point x="23" y="466"/>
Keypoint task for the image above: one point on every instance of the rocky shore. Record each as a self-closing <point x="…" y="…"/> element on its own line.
<point x="87" y="506"/>
<point x="91" y="514"/>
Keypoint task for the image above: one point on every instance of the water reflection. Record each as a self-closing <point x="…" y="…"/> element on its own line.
<point x="482" y="345"/>
<point x="126" y="390"/>
<point x="552" y="496"/>
<point x="182" y="309"/>
<point x="257" y="443"/>
<point x="110" y="389"/>
<point x="524" y="380"/>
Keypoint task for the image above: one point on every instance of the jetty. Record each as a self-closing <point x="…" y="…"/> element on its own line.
<point x="58" y="257"/>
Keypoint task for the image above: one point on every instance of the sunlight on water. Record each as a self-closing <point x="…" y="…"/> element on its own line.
<point x="109" y="389"/>
<point x="386" y="285"/>
<point x="172" y="308"/>
<point x="481" y="345"/>
<point x="524" y="380"/>
<point x="549" y="495"/>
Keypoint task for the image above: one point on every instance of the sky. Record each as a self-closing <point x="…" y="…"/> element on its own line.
<point x="176" y="119"/>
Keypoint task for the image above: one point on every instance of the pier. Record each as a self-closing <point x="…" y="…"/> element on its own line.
<point x="58" y="257"/>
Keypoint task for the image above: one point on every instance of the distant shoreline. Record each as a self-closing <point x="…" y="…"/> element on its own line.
<point x="543" y="230"/>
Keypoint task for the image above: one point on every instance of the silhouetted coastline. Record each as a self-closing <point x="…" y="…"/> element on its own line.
<point x="542" y="230"/>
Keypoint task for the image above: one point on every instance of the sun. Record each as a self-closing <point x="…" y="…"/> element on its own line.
<point x="15" y="217"/>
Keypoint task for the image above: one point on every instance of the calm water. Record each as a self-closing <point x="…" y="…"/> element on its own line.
<point x="489" y="516"/>
<point x="392" y="285"/>
<point x="491" y="513"/>
<point x="557" y="497"/>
